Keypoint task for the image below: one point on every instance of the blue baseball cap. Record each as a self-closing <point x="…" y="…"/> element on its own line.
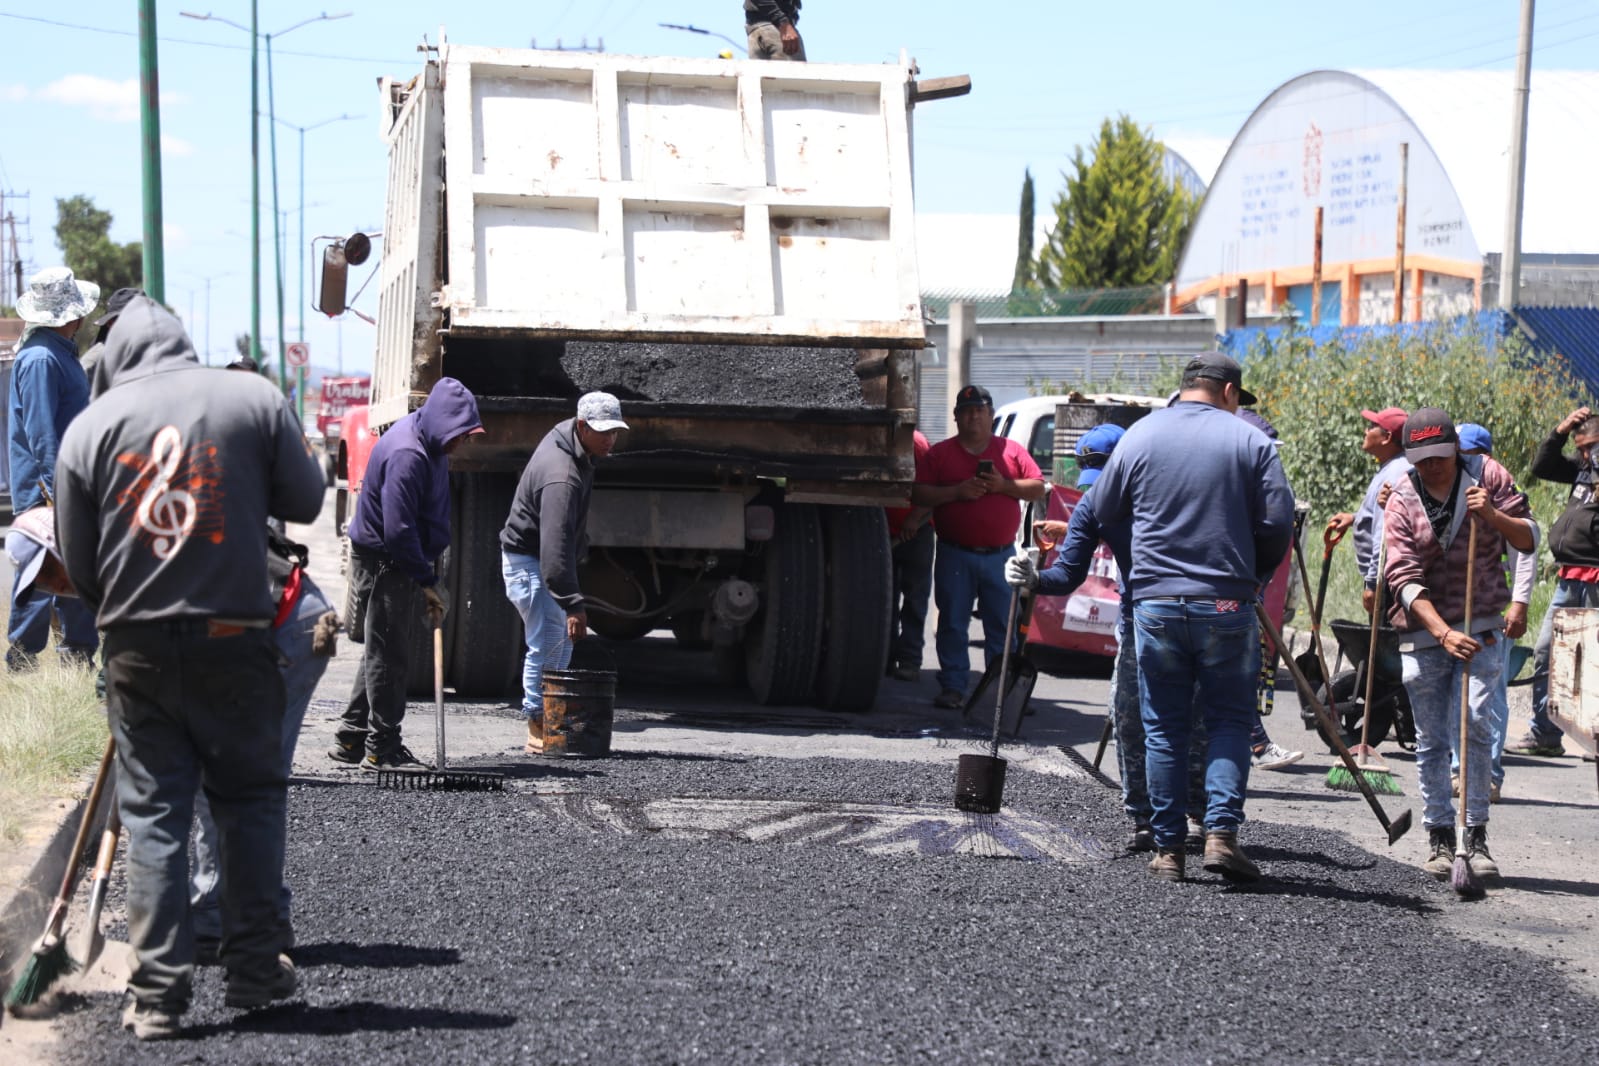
<point x="1474" y="438"/>
<point x="1094" y="447"/>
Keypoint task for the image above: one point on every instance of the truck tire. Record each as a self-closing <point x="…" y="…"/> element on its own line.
<point x="486" y="653"/>
<point x="857" y="602"/>
<point x="784" y="640"/>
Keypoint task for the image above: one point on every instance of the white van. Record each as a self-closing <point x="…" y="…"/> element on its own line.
<point x="1031" y="422"/>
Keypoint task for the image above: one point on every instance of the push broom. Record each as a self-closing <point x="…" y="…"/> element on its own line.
<point x="1372" y="768"/>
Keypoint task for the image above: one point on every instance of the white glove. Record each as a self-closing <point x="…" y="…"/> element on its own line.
<point x="1021" y="571"/>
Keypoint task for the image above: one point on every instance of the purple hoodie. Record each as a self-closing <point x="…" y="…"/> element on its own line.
<point x="403" y="509"/>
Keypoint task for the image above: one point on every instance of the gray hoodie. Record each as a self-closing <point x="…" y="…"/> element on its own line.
<point x="550" y="512"/>
<point x="165" y="483"/>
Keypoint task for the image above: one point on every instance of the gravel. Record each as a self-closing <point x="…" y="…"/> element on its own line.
<point x="736" y="375"/>
<point x="440" y="928"/>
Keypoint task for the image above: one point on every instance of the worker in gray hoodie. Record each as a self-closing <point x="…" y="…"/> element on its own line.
<point x="163" y="490"/>
<point x="545" y="536"/>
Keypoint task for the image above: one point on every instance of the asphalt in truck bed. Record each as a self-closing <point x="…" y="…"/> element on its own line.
<point x="450" y="928"/>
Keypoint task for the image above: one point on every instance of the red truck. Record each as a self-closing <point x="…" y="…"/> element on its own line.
<point x="338" y="396"/>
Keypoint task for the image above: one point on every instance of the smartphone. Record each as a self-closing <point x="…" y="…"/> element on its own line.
<point x="985" y="467"/>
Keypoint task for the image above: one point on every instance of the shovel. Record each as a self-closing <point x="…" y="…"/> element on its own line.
<point x="980" y="779"/>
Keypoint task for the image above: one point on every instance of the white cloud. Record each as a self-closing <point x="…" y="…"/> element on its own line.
<point x="175" y="146"/>
<point x="111" y="101"/>
<point x="12" y="94"/>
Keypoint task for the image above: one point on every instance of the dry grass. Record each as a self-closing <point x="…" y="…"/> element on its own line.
<point x="51" y="730"/>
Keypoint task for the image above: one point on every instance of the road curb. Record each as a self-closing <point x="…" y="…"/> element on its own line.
<point x="22" y="916"/>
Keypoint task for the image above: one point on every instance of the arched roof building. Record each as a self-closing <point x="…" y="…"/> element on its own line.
<point x="1331" y="140"/>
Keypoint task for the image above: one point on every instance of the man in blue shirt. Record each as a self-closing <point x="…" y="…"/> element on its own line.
<point x="48" y="390"/>
<point x="1211" y="517"/>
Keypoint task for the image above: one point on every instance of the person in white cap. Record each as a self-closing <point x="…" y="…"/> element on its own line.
<point x="48" y="390"/>
<point x="545" y="536"/>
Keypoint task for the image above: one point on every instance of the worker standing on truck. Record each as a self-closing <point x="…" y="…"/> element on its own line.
<point x="545" y="536"/>
<point x="48" y="390"/>
<point x="164" y="487"/>
<point x="400" y="527"/>
<point x="1424" y="528"/>
<point x="974" y="482"/>
<point x="1212" y="517"/>
<point x="771" y="28"/>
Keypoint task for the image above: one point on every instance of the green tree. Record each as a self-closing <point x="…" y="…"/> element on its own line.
<point x="1120" y="222"/>
<point x="84" y="233"/>
<point x="1025" y="299"/>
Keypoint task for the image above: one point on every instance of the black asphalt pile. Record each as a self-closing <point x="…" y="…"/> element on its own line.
<point x="731" y="375"/>
<point x="444" y="928"/>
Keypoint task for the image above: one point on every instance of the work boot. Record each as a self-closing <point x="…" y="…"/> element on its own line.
<point x="398" y="759"/>
<point x="1195" y="840"/>
<point x="1167" y="865"/>
<point x="1224" y="856"/>
<point x="1440" y="851"/>
<point x="247" y="993"/>
<point x="1482" y="864"/>
<point x="950" y="699"/>
<point x="151" y="1023"/>
<point x="535" y="736"/>
<point x="1142" y="838"/>
<point x="348" y="752"/>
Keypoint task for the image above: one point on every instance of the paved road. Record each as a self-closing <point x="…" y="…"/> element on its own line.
<point x="740" y="885"/>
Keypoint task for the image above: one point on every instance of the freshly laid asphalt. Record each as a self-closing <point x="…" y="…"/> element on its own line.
<point x="448" y="928"/>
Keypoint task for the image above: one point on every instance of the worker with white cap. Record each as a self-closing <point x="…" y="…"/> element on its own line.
<point x="48" y="390"/>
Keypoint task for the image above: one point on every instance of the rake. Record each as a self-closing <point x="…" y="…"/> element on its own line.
<point x="441" y="778"/>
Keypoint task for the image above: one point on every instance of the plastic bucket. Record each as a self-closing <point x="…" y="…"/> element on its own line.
<point x="578" y="708"/>
<point x="979" y="783"/>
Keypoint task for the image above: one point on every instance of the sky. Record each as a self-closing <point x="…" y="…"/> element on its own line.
<point x="1044" y="75"/>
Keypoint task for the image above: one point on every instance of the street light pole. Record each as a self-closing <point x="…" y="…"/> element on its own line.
<point x="704" y="33"/>
<point x="154" y="266"/>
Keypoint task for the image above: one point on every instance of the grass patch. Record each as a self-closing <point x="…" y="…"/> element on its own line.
<point x="51" y="730"/>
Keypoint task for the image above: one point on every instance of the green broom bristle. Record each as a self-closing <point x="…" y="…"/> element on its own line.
<point x="1339" y="779"/>
<point x="44" y="968"/>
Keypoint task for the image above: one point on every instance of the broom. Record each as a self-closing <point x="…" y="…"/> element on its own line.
<point x="50" y="961"/>
<point x="441" y="778"/>
<point x="1462" y="878"/>
<point x="1370" y="764"/>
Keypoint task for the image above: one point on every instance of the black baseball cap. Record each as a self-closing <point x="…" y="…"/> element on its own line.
<point x="1430" y="434"/>
<point x="114" y="305"/>
<point x="1215" y="366"/>
<point x="973" y="396"/>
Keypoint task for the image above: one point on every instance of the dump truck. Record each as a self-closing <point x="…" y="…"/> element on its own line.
<point x="727" y="246"/>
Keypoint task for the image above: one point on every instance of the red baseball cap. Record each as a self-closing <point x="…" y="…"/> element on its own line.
<point x="1390" y="418"/>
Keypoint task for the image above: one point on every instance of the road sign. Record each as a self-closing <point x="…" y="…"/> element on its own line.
<point x="297" y="353"/>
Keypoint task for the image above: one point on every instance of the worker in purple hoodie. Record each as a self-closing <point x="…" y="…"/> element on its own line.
<point x="400" y="527"/>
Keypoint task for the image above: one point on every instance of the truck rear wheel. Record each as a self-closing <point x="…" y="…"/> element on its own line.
<point x="487" y="647"/>
<point x="858" y="595"/>
<point x="783" y="643"/>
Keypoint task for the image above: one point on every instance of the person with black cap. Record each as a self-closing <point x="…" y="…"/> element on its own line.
<point x="1428" y="547"/>
<point x="975" y="483"/>
<point x="1381" y="441"/>
<point x="48" y="391"/>
<point x="1211" y="518"/>
<point x="113" y="308"/>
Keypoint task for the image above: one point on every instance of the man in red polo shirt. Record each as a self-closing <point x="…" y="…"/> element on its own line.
<point x="975" y="483"/>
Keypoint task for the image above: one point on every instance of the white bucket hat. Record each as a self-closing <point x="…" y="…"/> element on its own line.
<point x="55" y="297"/>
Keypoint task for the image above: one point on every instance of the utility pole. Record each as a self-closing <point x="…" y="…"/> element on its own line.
<point x="1399" y="236"/>
<point x="1315" y="275"/>
<point x="277" y="242"/>
<point x="1510" y="258"/>
<point x="150" y="152"/>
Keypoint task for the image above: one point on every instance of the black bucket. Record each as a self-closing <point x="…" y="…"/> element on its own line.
<point x="979" y="783"/>
<point x="578" y="706"/>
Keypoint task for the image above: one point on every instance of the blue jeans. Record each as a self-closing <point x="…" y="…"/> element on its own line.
<point x="29" y="628"/>
<point x="1126" y="716"/>
<point x="1568" y="593"/>
<point x="959" y="578"/>
<point x="1499" y="721"/>
<point x="187" y="710"/>
<point x="913" y="585"/>
<point x="301" y="670"/>
<point x="543" y="625"/>
<point x="1192" y="656"/>
<point x="1432" y="681"/>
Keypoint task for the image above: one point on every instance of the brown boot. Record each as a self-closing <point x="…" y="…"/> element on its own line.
<point x="535" y="736"/>
<point x="1167" y="865"/>
<point x="1224" y="856"/>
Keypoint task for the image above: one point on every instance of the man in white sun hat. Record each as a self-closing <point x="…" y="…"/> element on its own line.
<point x="48" y="390"/>
<point x="545" y="536"/>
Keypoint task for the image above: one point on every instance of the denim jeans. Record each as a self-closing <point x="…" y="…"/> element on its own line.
<point x="301" y="671"/>
<point x="377" y="699"/>
<point x="959" y="578"/>
<point x="1432" y="681"/>
<point x="190" y="711"/>
<point x="913" y="586"/>
<point x="29" y="628"/>
<point x="1499" y="722"/>
<point x="543" y="627"/>
<point x="1194" y="657"/>
<point x="1568" y="593"/>
<point x="1127" y="721"/>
